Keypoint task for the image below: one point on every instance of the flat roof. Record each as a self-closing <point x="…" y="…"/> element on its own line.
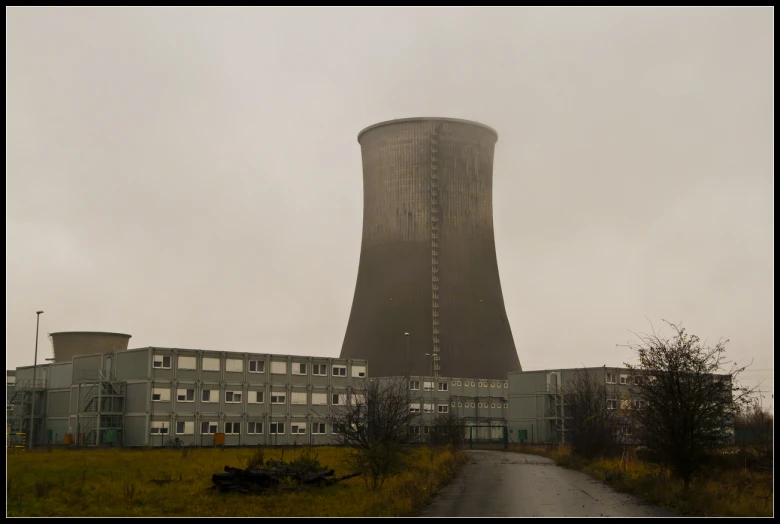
<point x="90" y="333"/>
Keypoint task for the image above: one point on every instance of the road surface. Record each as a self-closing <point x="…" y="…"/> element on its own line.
<point x="503" y="484"/>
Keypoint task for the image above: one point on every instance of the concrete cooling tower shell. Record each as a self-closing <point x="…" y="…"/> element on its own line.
<point x="428" y="260"/>
<point x="69" y="344"/>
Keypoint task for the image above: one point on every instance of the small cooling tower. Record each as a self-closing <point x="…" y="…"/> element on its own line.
<point x="69" y="344"/>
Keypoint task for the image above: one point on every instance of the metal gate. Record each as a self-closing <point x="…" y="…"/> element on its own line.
<point x="483" y="436"/>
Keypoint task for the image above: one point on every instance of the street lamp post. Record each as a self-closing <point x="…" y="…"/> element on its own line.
<point x="35" y="369"/>
<point x="406" y="335"/>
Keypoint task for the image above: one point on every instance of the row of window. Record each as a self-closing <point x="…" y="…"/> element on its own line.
<point x="612" y="378"/>
<point x="253" y="397"/>
<point x="443" y="408"/>
<point x="612" y="403"/>
<point x="234" y="428"/>
<point x="414" y="385"/>
<point x="235" y="365"/>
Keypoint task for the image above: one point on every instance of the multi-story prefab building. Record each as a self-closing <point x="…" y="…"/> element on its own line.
<point x="154" y="396"/>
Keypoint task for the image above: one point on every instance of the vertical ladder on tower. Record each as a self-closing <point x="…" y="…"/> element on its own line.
<point x="435" y="253"/>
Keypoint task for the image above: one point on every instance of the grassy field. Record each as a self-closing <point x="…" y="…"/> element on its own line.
<point x="720" y="491"/>
<point x="92" y="483"/>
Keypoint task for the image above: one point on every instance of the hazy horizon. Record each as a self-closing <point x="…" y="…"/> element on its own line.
<point x="192" y="177"/>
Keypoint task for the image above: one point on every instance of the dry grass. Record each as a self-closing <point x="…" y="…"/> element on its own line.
<point x="107" y="483"/>
<point x="723" y="491"/>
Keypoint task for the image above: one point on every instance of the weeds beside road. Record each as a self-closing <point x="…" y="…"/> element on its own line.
<point x="727" y="488"/>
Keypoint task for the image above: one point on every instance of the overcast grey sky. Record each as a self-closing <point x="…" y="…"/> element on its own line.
<point x="192" y="176"/>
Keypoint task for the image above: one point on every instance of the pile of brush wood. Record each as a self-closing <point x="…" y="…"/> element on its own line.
<point x="277" y="476"/>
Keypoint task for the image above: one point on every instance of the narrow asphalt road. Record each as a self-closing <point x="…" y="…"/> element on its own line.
<point x="502" y="484"/>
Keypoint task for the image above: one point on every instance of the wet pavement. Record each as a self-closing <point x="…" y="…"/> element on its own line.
<point x="503" y="484"/>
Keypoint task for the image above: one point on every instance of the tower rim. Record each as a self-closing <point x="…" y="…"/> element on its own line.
<point x="427" y="119"/>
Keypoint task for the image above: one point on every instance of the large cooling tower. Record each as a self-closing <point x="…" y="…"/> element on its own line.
<point x="68" y="344"/>
<point x="428" y="259"/>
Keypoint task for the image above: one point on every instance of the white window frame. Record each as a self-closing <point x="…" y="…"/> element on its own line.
<point x="183" y="393"/>
<point x="338" y="399"/>
<point x="232" y="425"/>
<point x="453" y="404"/>
<point x="428" y="408"/>
<point x="506" y="406"/>
<point x="213" y="399"/>
<point x="623" y="380"/>
<point x="278" y="368"/>
<point x="444" y="408"/>
<point x="506" y="385"/>
<point x="318" y="428"/>
<point x="278" y="398"/>
<point x="233" y="394"/>
<point x="316" y="368"/>
<point x="297" y="428"/>
<point x="414" y="385"/>
<point x="259" y="366"/>
<point x="234" y="363"/>
<point x="299" y="368"/>
<point x="319" y="399"/>
<point x="612" y="403"/>
<point x="459" y="382"/>
<point x="359" y="371"/>
<point x="492" y="384"/>
<point x="428" y="385"/>
<point x="339" y="371"/>
<point x="298" y="398"/>
<point x="163" y="393"/>
<point x="611" y="378"/>
<point x="414" y="407"/>
<point x="444" y="386"/>
<point x="188" y="427"/>
<point x="253" y="427"/>
<point x="186" y="362"/>
<point x="258" y="395"/>
<point x="273" y="428"/>
<point x="211" y="427"/>
<point x="162" y="427"/>
<point x="208" y="364"/>
<point x="414" y="430"/>
<point x="160" y="359"/>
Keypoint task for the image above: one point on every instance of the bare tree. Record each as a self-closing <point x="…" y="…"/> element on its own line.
<point x="685" y="398"/>
<point x="447" y="430"/>
<point x="374" y="419"/>
<point x="753" y="427"/>
<point x="591" y="423"/>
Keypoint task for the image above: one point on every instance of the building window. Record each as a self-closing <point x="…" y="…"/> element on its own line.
<point x="254" y="428"/>
<point x="414" y="385"/>
<point x="279" y="368"/>
<point x="257" y="366"/>
<point x="317" y="428"/>
<point x="276" y="428"/>
<point x="159" y="428"/>
<point x="185" y="428"/>
<point x="162" y="362"/>
<point x="234" y="365"/>
<point x="232" y="428"/>
<point x="611" y="378"/>
<point x="298" y="428"/>
<point x="338" y="428"/>
<point x="472" y="405"/>
<point x="480" y="404"/>
<point x="208" y="428"/>
<point x="443" y="408"/>
<point x="258" y="397"/>
<point x="484" y="384"/>
<point x="319" y="369"/>
<point x="611" y="403"/>
<point x="206" y="396"/>
<point x="492" y="405"/>
<point x="453" y="404"/>
<point x="161" y="395"/>
<point x="492" y="384"/>
<point x="472" y="383"/>
<point x="479" y="384"/>
<point x="358" y="371"/>
<point x="339" y="371"/>
<point x="298" y="397"/>
<point x="232" y="397"/>
<point x="414" y="430"/>
<point x="506" y="385"/>
<point x="443" y="386"/>
<point x="298" y="368"/>
<point x="427" y="386"/>
<point x="187" y="362"/>
<point x="460" y="405"/>
<point x="624" y="379"/>
<point x="210" y="364"/>
<point x="427" y="408"/>
<point x="278" y="398"/>
<point x="506" y="406"/>
<point x="185" y="395"/>
<point x="414" y="408"/>
<point x="319" y="399"/>
<point x="426" y="429"/>
<point x="338" y="399"/>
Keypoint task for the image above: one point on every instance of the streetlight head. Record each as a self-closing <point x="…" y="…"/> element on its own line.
<point x="406" y="334"/>
<point x="39" y="312"/>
